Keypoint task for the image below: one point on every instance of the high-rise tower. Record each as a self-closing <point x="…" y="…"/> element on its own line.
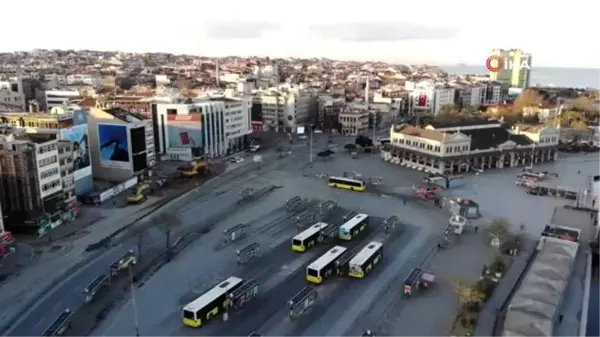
<point x="513" y="72"/>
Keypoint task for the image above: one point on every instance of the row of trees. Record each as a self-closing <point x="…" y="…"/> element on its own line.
<point x="575" y="113"/>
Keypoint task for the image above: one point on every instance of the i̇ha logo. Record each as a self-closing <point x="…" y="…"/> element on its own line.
<point x="497" y="63"/>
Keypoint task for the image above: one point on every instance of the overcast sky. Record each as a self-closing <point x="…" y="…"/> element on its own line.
<point x="424" y="31"/>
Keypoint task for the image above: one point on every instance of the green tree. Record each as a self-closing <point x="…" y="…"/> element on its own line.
<point x="449" y="110"/>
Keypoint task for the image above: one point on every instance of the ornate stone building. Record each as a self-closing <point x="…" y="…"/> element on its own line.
<point x="470" y="146"/>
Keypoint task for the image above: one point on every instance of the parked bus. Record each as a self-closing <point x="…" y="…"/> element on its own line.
<point x="324" y="266"/>
<point x="211" y="303"/>
<point x="366" y="259"/>
<point x="353" y="227"/>
<point x="308" y="238"/>
<point x="348" y="184"/>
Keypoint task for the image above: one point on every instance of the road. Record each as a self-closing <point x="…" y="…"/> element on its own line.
<point x="68" y="294"/>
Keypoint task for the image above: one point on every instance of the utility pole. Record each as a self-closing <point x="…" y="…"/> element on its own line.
<point x="310" y="145"/>
<point x="134" y="305"/>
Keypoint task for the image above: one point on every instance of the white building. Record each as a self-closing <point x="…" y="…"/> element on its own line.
<point x="87" y="79"/>
<point x="48" y="166"/>
<point x="478" y="94"/>
<point x="57" y="97"/>
<point x="473" y="145"/>
<point x="118" y="142"/>
<point x="441" y="97"/>
<point x="495" y="93"/>
<point x="284" y="108"/>
<point x="214" y="126"/>
<point x="12" y="98"/>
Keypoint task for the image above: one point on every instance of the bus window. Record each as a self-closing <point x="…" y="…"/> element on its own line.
<point x="313" y="272"/>
<point x="296" y="242"/>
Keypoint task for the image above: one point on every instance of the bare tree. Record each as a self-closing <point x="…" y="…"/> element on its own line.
<point x="498" y="228"/>
<point x="167" y="221"/>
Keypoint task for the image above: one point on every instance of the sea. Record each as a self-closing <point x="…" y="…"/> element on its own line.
<point x="543" y="77"/>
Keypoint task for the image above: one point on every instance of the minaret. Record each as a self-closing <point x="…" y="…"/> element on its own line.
<point x="217" y="73"/>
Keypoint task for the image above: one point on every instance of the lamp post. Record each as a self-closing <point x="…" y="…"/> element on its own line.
<point x="134" y="305"/>
<point x="310" y="145"/>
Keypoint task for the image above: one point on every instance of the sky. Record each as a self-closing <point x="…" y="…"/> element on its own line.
<point x="424" y="31"/>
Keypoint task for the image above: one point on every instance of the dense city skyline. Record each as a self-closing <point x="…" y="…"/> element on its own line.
<point x="269" y="29"/>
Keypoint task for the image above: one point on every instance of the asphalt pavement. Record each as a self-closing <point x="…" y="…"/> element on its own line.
<point x="68" y="294"/>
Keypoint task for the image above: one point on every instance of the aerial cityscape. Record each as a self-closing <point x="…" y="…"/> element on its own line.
<point x="175" y="194"/>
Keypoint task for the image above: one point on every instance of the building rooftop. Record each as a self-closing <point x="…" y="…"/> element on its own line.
<point x="418" y="132"/>
<point x="483" y="139"/>
<point x="38" y="138"/>
<point x="533" y="308"/>
<point x="122" y="114"/>
<point x="442" y="124"/>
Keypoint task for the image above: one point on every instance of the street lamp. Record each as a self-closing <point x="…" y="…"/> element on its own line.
<point x="134" y="305"/>
<point x="310" y="145"/>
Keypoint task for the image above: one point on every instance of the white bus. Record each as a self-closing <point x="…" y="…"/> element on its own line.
<point x="366" y="259"/>
<point x="211" y="303"/>
<point x="353" y="227"/>
<point x="324" y="266"/>
<point x="308" y="238"/>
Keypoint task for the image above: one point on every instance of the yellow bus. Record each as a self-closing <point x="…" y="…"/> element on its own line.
<point x="324" y="266"/>
<point x="211" y="303"/>
<point x="308" y="238"/>
<point x="365" y="260"/>
<point x="348" y="184"/>
<point x="353" y="227"/>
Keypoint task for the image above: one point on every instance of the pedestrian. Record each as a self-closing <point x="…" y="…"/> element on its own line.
<point x="404" y="201"/>
<point x="476" y="229"/>
<point x="560" y="318"/>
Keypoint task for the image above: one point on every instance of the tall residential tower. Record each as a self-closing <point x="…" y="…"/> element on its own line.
<point x="516" y="68"/>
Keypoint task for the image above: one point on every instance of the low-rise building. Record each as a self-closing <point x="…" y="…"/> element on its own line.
<point x="354" y="121"/>
<point x="473" y="145"/>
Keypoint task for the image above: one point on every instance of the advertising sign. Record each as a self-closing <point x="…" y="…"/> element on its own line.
<point x="184" y="131"/>
<point x="78" y="137"/>
<point x="114" y="146"/>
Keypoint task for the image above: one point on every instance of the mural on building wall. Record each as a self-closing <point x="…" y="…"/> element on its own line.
<point x="185" y="131"/>
<point x="114" y="146"/>
<point x="78" y="137"/>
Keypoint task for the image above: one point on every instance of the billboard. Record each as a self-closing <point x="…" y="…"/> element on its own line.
<point x="78" y="137"/>
<point x="184" y="131"/>
<point x="114" y="146"/>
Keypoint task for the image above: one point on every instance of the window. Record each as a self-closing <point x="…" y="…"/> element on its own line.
<point x="437" y="149"/>
<point x="51" y="185"/>
<point x="449" y="149"/>
<point x="171" y="111"/>
<point x="48" y="173"/>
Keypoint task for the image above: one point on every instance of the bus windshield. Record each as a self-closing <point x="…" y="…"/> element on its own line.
<point x="312" y="272"/>
<point x="188" y="314"/>
<point x="296" y="242"/>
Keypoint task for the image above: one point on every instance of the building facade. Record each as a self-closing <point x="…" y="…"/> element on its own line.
<point x="441" y="97"/>
<point x="513" y="73"/>
<point x="68" y="126"/>
<point x="57" y="97"/>
<point x="481" y="145"/>
<point x="285" y="108"/>
<point x="117" y="141"/>
<point x="354" y="121"/>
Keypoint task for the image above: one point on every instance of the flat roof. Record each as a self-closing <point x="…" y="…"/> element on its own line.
<point x="582" y="220"/>
<point x="365" y="253"/>
<point x="326" y="258"/>
<point x="213" y="293"/>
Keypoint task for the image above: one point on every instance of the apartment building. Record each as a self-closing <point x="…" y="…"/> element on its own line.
<point x="448" y="148"/>
<point x="85" y="79"/>
<point x="238" y="127"/>
<point x="284" y="108"/>
<point x="67" y="168"/>
<point x="328" y="112"/>
<point x="56" y="97"/>
<point x="12" y="98"/>
<point x="31" y="182"/>
<point x="137" y="104"/>
<point x="441" y="97"/>
<point x="354" y="121"/>
<point x="68" y="126"/>
<point x="495" y="93"/>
